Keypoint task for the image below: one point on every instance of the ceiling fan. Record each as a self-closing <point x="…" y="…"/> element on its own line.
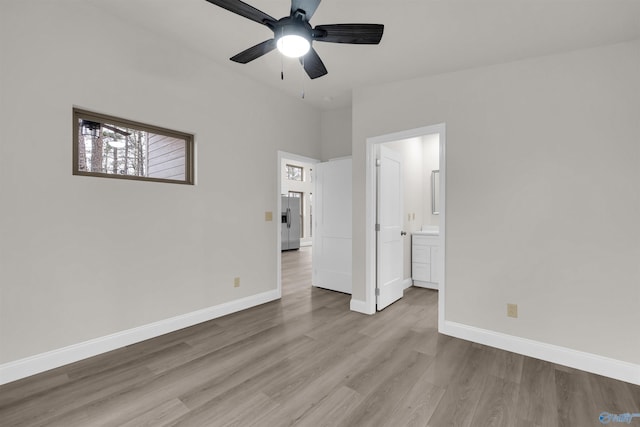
<point x="293" y="34"/>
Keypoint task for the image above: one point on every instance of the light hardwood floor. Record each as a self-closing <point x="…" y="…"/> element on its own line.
<point x="307" y="360"/>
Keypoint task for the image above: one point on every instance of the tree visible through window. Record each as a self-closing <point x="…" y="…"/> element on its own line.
<point x="295" y="173"/>
<point x="117" y="148"/>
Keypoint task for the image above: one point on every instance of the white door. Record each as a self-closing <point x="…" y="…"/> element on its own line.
<point x="390" y="235"/>
<point x="332" y="226"/>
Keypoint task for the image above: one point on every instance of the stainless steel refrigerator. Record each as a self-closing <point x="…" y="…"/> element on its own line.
<point x="290" y="220"/>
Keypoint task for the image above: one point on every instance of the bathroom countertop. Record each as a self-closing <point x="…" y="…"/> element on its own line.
<point x="428" y="230"/>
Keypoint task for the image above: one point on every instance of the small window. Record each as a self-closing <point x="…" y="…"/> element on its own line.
<point x="110" y="147"/>
<point x="294" y="173"/>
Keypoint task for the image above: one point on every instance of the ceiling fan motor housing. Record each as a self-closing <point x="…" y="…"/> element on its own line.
<point x="295" y="25"/>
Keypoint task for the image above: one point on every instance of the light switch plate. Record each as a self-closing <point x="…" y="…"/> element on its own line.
<point x="512" y="310"/>
<point x="268" y="216"/>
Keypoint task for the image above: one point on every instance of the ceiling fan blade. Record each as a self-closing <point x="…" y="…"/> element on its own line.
<point x="116" y="130"/>
<point x="309" y="7"/>
<point x="349" y="33"/>
<point x="313" y="64"/>
<point x="255" y="51"/>
<point x="243" y="9"/>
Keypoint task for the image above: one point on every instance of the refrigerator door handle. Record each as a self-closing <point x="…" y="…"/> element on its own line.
<point x="288" y="217"/>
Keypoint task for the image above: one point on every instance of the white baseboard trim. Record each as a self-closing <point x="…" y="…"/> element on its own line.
<point x="406" y="284"/>
<point x="426" y="285"/>
<point x="32" y="365"/>
<point x="360" y="306"/>
<point x="608" y="367"/>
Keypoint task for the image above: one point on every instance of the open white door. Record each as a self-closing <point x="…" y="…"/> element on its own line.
<point x="332" y="226"/>
<point x="389" y="236"/>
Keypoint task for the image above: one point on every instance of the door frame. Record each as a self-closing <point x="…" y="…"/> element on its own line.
<point x="369" y="306"/>
<point x="283" y="155"/>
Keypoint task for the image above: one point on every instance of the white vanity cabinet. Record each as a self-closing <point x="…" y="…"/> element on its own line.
<point x="424" y="260"/>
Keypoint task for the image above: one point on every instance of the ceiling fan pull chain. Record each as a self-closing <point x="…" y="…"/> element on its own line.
<point x="281" y="60"/>
<point x="302" y="78"/>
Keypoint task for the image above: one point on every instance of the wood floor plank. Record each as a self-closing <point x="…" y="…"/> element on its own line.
<point x="450" y="356"/>
<point x="331" y="411"/>
<point x="52" y="404"/>
<point x="507" y="365"/>
<point x="306" y="360"/>
<point x="418" y="405"/>
<point x="296" y="403"/>
<point x="464" y="391"/>
<point x="391" y="391"/>
<point x="497" y="403"/>
<point x="537" y="394"/>
<point x="609" y="395"/>
<point x="230" y="412"/>
<point x="574" y="403"/>
<point x="13" y="393"/>
<point x="254" y="376"/>
<point x="160" y="415"/>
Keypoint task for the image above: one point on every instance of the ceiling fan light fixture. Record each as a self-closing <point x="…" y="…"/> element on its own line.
<point x="293" y="45"/>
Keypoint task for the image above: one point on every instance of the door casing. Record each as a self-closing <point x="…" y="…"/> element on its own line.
<point x="368" y="306"/>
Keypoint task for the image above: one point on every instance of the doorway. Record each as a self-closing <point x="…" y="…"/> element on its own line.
<point x="369" y="305"/>
<point x="295" y="182"/>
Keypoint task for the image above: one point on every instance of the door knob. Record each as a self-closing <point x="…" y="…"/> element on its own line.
<point x="403" y="233"/>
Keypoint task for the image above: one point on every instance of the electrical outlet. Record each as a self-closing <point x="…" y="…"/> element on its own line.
<point x="512" y="310"/>
<point x="268" y="216"/>
<point x="236" y="282"/>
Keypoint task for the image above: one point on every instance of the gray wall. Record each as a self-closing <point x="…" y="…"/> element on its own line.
<point x="65" y="276"/>
<point x="335" y="134"/>
<point x="543" y="204"/>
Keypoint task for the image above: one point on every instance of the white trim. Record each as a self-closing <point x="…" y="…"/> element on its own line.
<point x="612" y="368"/>
<point x="442" y="130"/>
<point x="32" y="365"/>
<point x="360" y="306"/>
<point x="370" y="233"/>
<point x="340" y="158"/>
<point x="426" y="285"/>
<point x="370" y="204"/>
<point x="406" y="283"/>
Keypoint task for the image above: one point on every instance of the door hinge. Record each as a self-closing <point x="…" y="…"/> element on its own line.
<point x="377" y="292"/>
<point x="377" y="227"/>
<point x="378" y="162"/>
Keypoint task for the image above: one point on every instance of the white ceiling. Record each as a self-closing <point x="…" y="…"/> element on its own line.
<point x="423" y="37"/>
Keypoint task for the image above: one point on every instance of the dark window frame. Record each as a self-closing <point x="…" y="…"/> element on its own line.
<point x="79" y="114"/>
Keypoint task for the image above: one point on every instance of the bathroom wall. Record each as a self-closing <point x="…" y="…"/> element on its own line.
<point x="431" y="161"/>
<point x="419" y="156"/>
